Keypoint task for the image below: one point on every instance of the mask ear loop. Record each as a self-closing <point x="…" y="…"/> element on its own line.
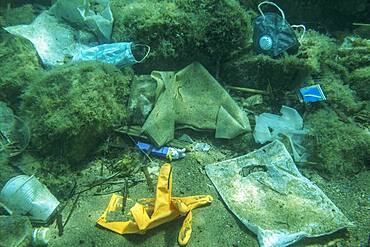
<point x="147" y="53"/>
<point x="304" y="30"/>
<point x="273" y="4"/>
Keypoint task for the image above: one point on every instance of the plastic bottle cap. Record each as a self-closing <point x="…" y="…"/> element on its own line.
<point x="40" y="236"/>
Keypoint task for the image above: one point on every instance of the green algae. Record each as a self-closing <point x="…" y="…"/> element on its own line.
<point x="18" y="67"/>
<point x="182" y="31"/>
<point x="360" y="82"/>
<point x="260" y="71"/>
<point x="72" y="108"/>
<point x="339" y="148"/>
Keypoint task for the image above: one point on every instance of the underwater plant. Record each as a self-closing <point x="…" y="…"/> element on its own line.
<point x="182" y="31"/>
<point x="317" y="49"/>
<point x="360" y="82"/>
<point x="72" y="108"/>
<point x="23" y="14"/>
<point x="16" y="53"/>
<point x="260" y="71"/>
<point x="354" y="53"/>
<point x="339" y="148"/>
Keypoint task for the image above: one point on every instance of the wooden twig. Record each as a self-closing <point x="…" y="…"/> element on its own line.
<point x="59" y="222"/>
<point x="72" y="210"/>
<point x="125" y="193"/>
<point x="361" y="24"/>
<point x="149" y="181"/>
<point x="136" y="131"/>
<point x="98" y="184"/>
<point x="247" y="90"/>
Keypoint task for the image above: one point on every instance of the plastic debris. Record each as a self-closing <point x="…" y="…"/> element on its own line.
<point x="272" y="34"/>
<point x="192" y="98"/>
<point x="56" y="41"/>
<point x="253" y="100"/>
<point x="40" y="236"/>
<point x="14" y="133"/>
<point x="268" y="194"/>
<point x="119" y="54"/>
<point x="25" y="195"/>
<point x="94" y="16"/>
<point x="16" y="231"/>
<point x="142" y="98"/>
<point x="152" y="212"/>
<point x="196" y="146"/>
<point x="270" y="127"/>
<point x="169" y="153"/>
<point x="312" y="94"/>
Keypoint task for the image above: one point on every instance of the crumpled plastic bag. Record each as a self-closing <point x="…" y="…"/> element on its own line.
<point x="152" y="212"/>
<point x="192" y="98"/>
<point x="14" y="132"/>
<point x="67" y="27"/>
<point x="91" y="15"/>
<point x="270" y="127"/>
<point x="268" y="194"/>
<point x="142" y="98"/>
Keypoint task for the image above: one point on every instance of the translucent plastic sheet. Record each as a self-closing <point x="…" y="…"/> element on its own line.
<point x="69" y="26"/>
<point x="265" y="190"/>
<point x="14" y="133"/>
<point x="271" y="127"/>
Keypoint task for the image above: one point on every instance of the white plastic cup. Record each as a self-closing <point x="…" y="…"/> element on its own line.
<point x="26" y="195"/>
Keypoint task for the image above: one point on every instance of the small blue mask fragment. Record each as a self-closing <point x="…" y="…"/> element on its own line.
<point x="119" y="54"/>
<point x="312" y="94"/>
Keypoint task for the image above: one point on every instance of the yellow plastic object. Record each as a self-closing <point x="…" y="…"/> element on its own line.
<point x="152" y="212"/>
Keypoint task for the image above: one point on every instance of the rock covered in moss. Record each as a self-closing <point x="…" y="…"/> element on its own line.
<point x="72" y="108"/>
<point x="182" y="31"/>
<point x="339" y="95"/>
<point x="19" y="66"/>
<point x="339" y="148"/>
<point x="24" y="14"/>
<point x="316" y="49"/>
<point x="259" y="71"/>
<point x="360" y="81"/>
<point x="354" y="53"/>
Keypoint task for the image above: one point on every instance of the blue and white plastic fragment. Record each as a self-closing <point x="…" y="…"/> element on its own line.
<point x="163" y="152"/>
<point x="312" y="94"/>
<point x="119" y="54"/>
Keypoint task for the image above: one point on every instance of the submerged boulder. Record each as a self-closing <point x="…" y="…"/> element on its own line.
<point x="72" y="108"/>
<point x="182" y="31"/>
<point x="339" y="148"/>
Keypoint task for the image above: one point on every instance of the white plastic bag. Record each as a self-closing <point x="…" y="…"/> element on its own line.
<point x="268" y="194"/>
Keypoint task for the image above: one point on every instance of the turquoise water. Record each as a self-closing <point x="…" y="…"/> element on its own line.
<point x="213" y="72"/>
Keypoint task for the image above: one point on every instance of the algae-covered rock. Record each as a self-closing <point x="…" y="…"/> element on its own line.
<point x="339" y="95"/>
<point x="338" y="147"/>
<point x="354" y="53"/>
<point x="19" y="64"/>
<point x="72" y="108"/>
<point x="182" y="31"/>
<point x="317" y="49"/>
<point x="286" y="72"/>
<point x="24" y="14"/>
<point x="360" y="81"/>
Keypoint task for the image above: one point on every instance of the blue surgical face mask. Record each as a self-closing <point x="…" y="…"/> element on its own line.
<point x="119" y="54"/>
